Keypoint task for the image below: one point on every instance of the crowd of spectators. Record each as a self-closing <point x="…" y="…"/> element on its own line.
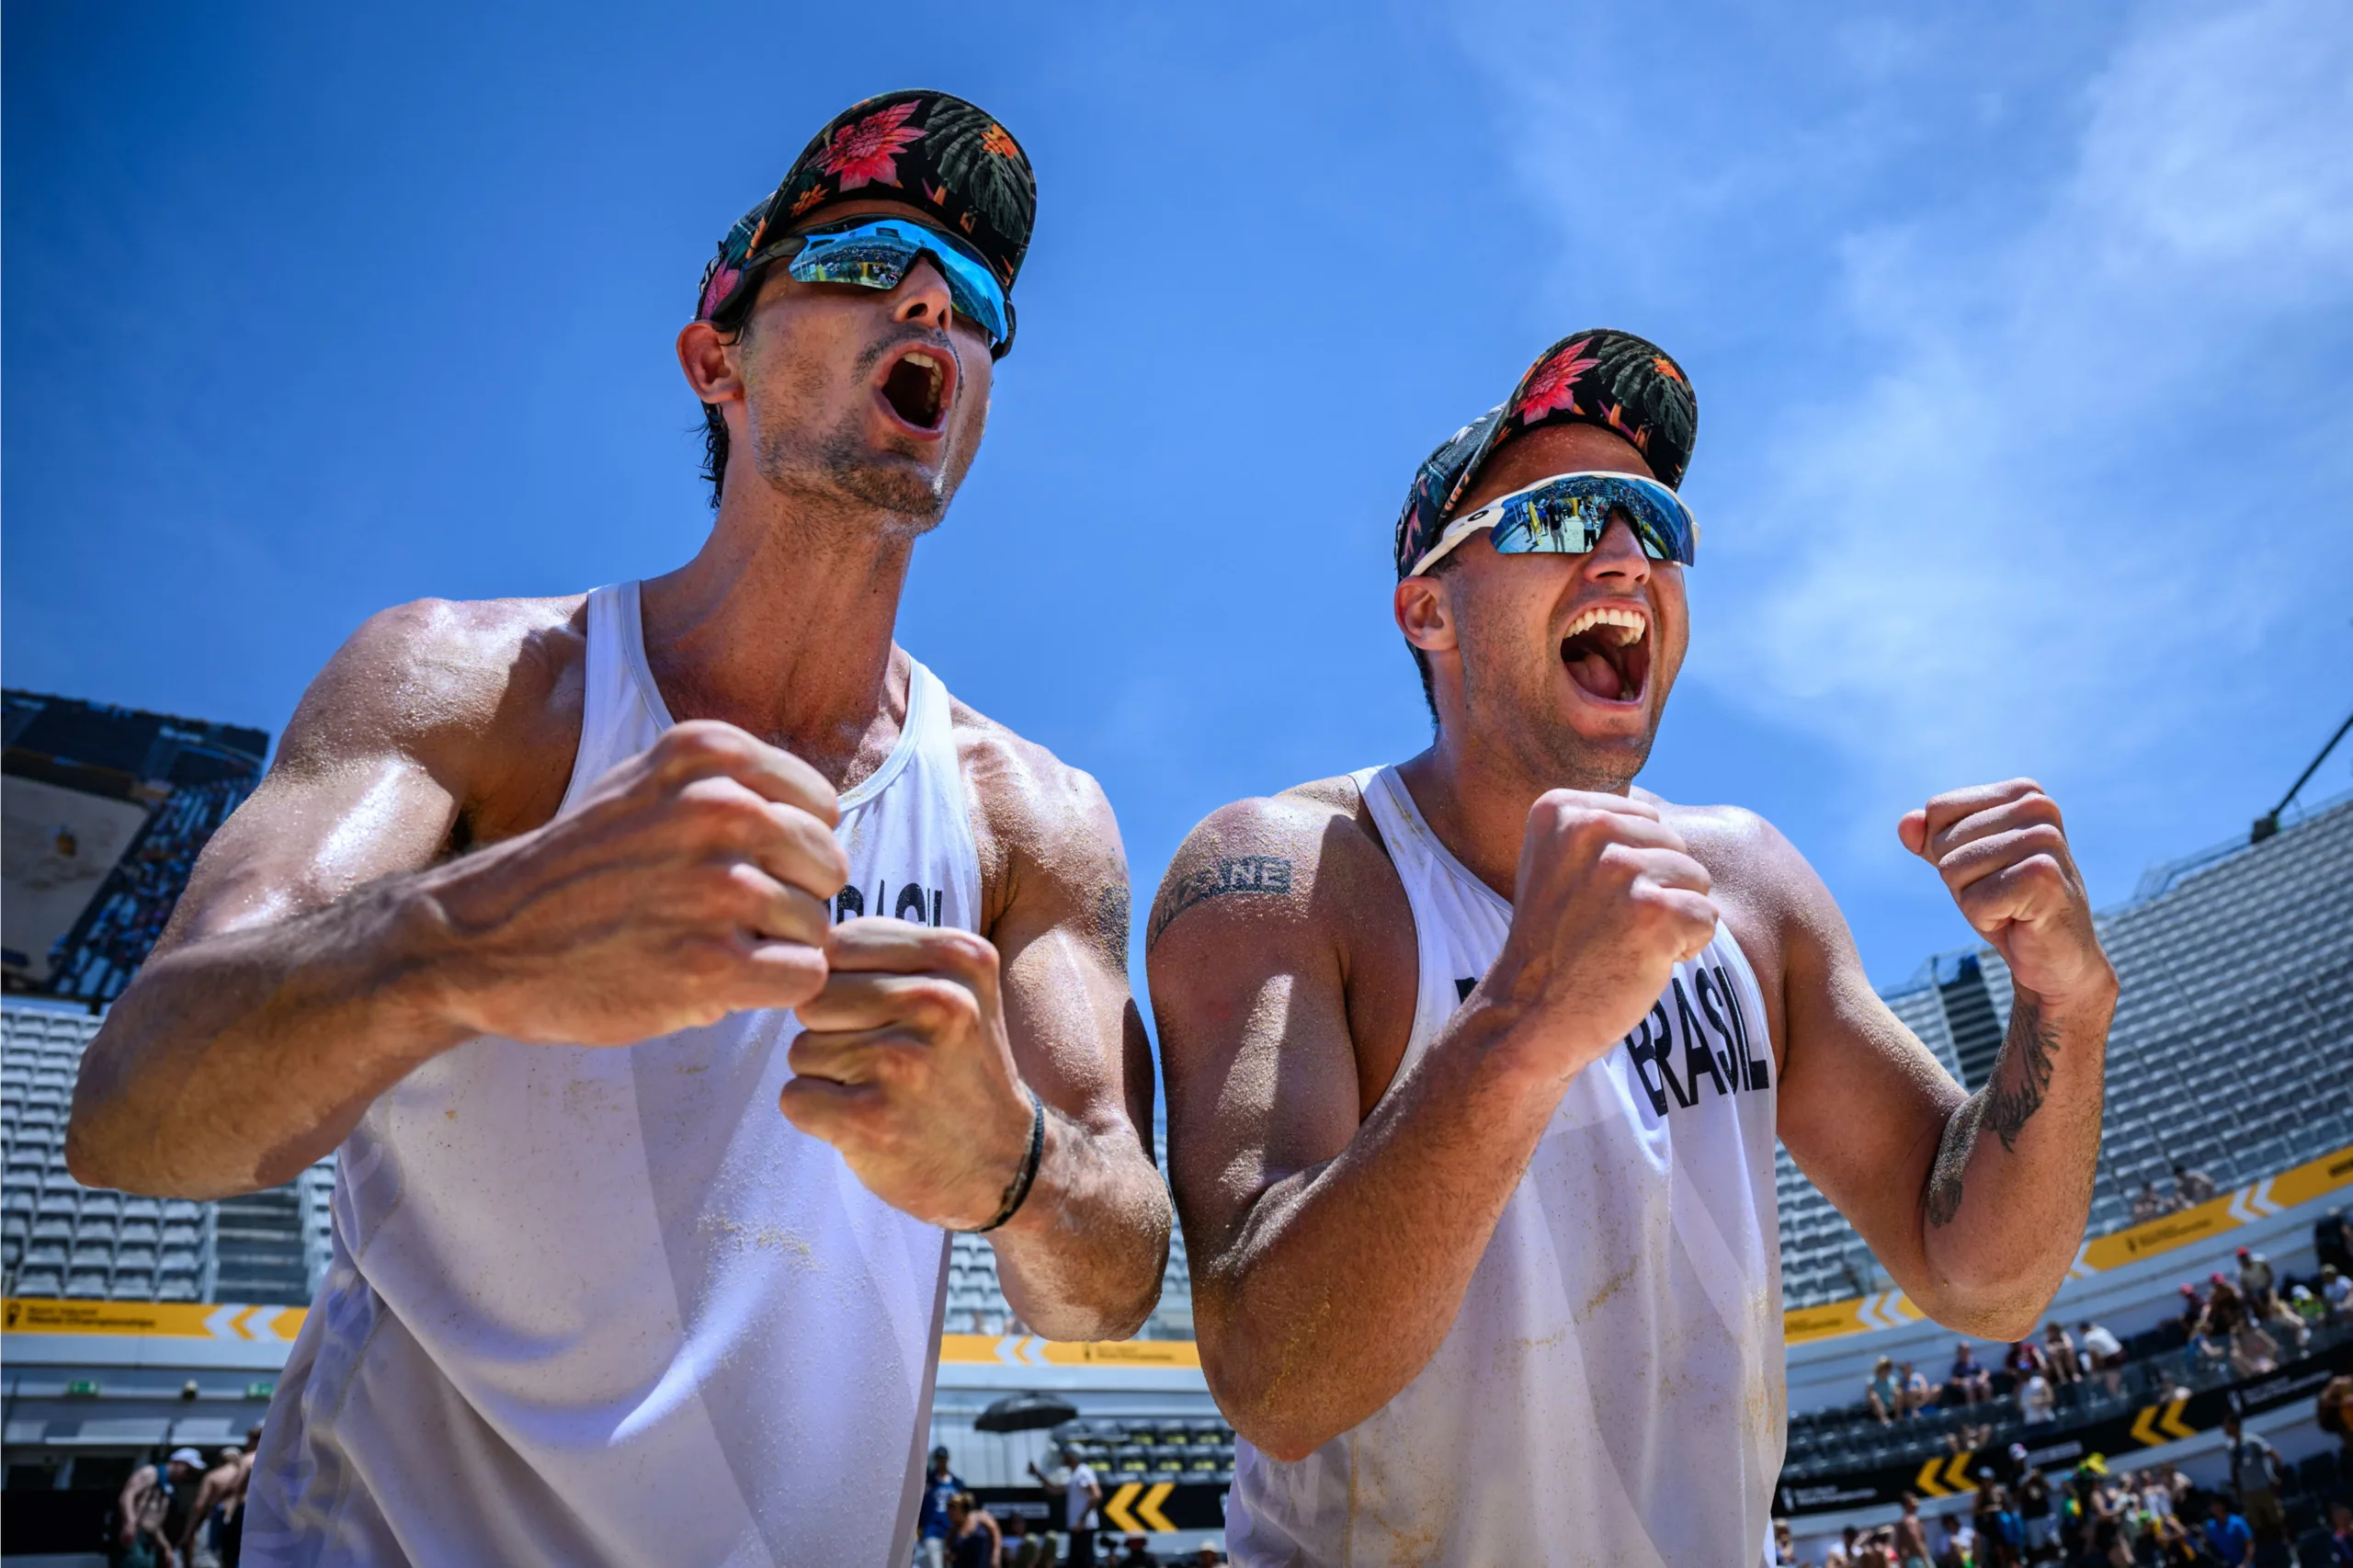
<point x="955" y="1529"/>
<point x="2033" y="1371"/>
<point x="2091" y="1516"/>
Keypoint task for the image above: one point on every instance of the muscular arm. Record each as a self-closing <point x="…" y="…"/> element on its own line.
<point x="284" y="994"/>
<point x="1084" y="1257"/>
<point x="1974" y="1204"/>
<point x="324" y="946"/>
<point x="1332" y="1242"/>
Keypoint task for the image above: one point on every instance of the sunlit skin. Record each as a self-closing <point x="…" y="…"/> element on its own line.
<point x="1334" y="1211"/>
<point x="400" y="882"/>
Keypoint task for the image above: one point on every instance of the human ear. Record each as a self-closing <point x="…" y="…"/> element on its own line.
<point x="709" y="365"/>
<point x="1423" y="615"/>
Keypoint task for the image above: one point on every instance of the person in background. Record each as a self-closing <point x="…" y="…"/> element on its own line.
<point x="1914" y="1383"/>
<point x="1911" y="1535"/>
<point x="1206" y="1556"/>
<point x="1970" y="1383"/>
<point x="1960" y="1542"/>
<point x="2333" y="1242"/>
<point x="207" y="1516"/>
<point x="1081" y="1496"/>
<point x="2256" y="1280"/>
<point x="154" y="1511"/>
<point x="1785" y="1546"/>
<point x="2190" y="1187"/>
<point x="2336" y="1290"/>
<point x="2036" y="1512"/>
<point x="2103" y="1352"/>
<point x="2037" y="1403"/>
<point x="2340" y="1532"/>
<point x="2059" y="1353"/>
<point x="1138" y="1554"/>
<point x="941" y="1485"/>
<point x="2334" y="1410"/>
<point x="2228" y="1539"/>
<point x="1021" y="1549"/>
<point x="973" y="1539"/>
<point x="1885" y="1399"/>
<point x="2253" y="1352"/>
<point x="2255" y="1479"/>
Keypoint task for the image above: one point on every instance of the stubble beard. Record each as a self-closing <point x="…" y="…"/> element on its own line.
<point x="835" y="470"/>
<point x="1513" y="713"/>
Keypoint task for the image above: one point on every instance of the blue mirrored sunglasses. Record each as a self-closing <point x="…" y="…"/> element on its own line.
<point x="1567" y="515"/>
<point x="877" y="253"/>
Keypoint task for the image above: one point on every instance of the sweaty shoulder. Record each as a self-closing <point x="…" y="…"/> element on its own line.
<point x="486" y="695"/>
<point x="1042" y="829"/>
<point x="1766" y="891"/>
<point x="1297" y="885"/>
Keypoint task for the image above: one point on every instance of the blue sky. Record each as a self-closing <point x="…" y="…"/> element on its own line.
<point x="2020" y="340"/>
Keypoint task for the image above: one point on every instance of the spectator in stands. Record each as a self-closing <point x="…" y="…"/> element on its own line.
<point x="2334" y="1410"/>
<point x="2148" y="1204"/>
<point x="2193" y="1311"/>
<point x="1913" y="1385"/>
<point x="2340" y="1532"/>
<point x="2228" y="1539"/>
<point x="2059" y="1353"/>
<point x="2255" y="1479"/>
<point x="2253" y="1351"/>
<point x="1785" y="1546"/>
<point x="1206" y="1556"/>
<point x="1911" y="1535"/>
<point x="2103" y="1352"/>
<point x="2256" y="1280"/>
<point x="1967" y="1383"/>
<point x="2037" y="1401"/>
<point x="1021" y="1549"/>
<point x="1138" y="1554"/>
<point x="2333" y="1242"/>
<point x="2037" y="1512"/>
<point x="932" y="1523"/>
<point x="973" y="1539"/>
<point x="2190" y="1187"/>
<point x="2337" y="1291"/>
<point x="2224" y="1306"/>
<point x="1882" y="1394"/>
<point x="1960" y="1542"/>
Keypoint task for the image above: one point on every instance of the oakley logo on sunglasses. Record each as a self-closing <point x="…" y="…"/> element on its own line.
<point x="879" y="253"/>
<point x="1568" y="513"/>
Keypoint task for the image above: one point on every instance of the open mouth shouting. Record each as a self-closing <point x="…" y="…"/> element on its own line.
<point x="917" y="385"/>
<point x="1607" y="649"/>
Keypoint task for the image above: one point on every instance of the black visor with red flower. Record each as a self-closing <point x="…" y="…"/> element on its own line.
<point x="946" y="159"/>
<point x="1604" y="378"/>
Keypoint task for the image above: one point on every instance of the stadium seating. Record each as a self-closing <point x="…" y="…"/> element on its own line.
<point x="1151" y="1450"/>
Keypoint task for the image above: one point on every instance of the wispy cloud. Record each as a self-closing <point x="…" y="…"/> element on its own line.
<point x="2060" y="467"/>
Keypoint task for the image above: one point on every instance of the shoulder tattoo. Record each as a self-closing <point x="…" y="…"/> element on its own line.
<point x="1225" y="876"/>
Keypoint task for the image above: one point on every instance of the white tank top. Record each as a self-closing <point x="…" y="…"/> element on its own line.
<point x="1611" y="1390"/>
<point x="608" y="1306"/>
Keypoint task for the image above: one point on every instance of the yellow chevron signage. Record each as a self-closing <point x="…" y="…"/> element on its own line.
<point x="1135" y="1514"/>
<point x="175" y="1319"/>
<point x="1945" y="1475"/>
<point x="2161" y="1423"/>
<point x="1029" y="1350"/>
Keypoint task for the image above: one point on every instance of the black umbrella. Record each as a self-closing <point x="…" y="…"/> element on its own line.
<point x="1025" y="1412"/>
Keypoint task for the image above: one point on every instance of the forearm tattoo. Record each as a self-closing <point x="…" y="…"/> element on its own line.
<point x="1229" y="874"/>
<point x="2007" y="1102"/>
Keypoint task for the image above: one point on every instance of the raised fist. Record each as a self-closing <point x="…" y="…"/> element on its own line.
<point x="692" y="882"/>
<point x="907" y="1070"/>
<point x="2002" y="850"/>
<point x="1609" y="900"/>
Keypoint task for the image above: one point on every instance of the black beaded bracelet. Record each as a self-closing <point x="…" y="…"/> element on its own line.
<point x="1018" y="1192"/>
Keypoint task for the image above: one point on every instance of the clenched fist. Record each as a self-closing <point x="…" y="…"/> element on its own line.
<point x="1609" y="900"/>
<point x="907" y="1070"/>
<point x="2002" y="850"/>
<point x="692" y="882"/>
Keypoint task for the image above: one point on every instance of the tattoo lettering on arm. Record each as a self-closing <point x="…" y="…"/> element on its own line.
<point x="1231" y="874"/>
<point x="2008" y="1101"/>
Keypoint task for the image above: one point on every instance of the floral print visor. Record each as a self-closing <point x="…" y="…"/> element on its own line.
<point x="946" y="159"/>
<point x="1609" y="379"/>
